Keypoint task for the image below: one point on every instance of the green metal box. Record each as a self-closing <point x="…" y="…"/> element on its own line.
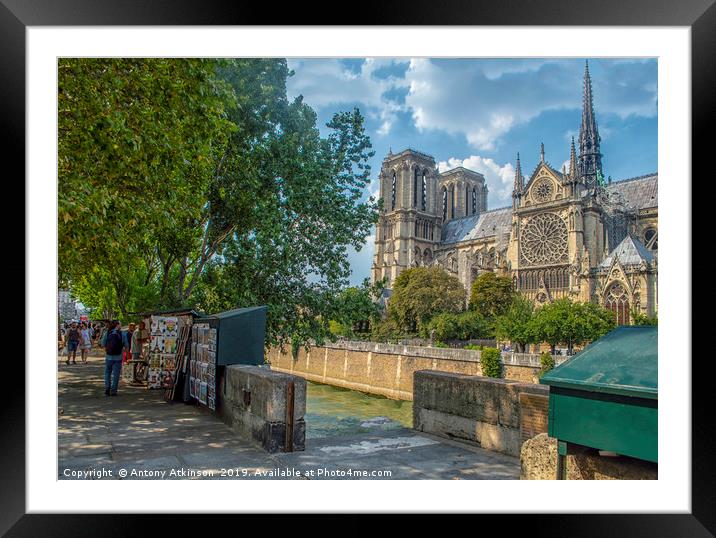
<point x="606" y="396"/>
<point x="241" y="335"/>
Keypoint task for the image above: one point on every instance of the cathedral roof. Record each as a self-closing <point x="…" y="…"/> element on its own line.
<point x="639" y="192"/>
<point x="630" y="251"/>
<point x="486" y="224"/>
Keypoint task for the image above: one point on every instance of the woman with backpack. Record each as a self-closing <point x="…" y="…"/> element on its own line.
<point x="113" y="344"/>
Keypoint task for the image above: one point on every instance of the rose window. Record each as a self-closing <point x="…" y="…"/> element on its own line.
<point x="542" y="191"/>
<point x="543" y="240"/>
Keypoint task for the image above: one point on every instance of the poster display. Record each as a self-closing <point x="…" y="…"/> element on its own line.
<point x="163" y="338"/>
<point x="202" y="366"/>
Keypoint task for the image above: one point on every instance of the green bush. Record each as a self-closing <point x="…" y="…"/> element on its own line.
<point x="546" y="362"/>
<point x="490" y="361"/>
<point x="440" y="344"/>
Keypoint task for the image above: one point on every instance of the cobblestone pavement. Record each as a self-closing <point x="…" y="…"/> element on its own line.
<point x="140" y="434"/>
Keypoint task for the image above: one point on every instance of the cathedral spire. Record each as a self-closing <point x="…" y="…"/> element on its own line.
<point x="572" y="161"/>
<point x="541" y="152"/>
<point x="590" y="159"/>
<point x="519" y="183"/>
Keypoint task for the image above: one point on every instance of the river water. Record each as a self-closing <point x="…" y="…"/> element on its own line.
<point x="333" y="411"/>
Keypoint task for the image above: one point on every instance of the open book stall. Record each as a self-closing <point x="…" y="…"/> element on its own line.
<point x="164" y="358"/>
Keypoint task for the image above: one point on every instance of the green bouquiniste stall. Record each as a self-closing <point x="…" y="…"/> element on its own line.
<point x="606" y="397"/>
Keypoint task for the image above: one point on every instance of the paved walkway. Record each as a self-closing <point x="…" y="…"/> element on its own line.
<point x="139" y="434"/>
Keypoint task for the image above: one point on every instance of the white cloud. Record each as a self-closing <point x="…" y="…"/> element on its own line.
<point x="481" y="100"/>
<point x="327" y="82"/>
<point x="484" y="100"/>
<point x="499" y="178"/>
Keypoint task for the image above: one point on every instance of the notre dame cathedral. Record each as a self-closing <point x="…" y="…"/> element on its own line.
<point x="567" y="233"/>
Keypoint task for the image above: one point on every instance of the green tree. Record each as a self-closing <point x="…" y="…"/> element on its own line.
<point x="573" y="323"/>
<point x="357" y="309"/>
<point x="515" y="323"/>
<point x="136" y="143"/>
<point x="491" y="294"/>
<point x="420" y="293"/>
<point x="463" y="326"/>
<point x="197" y="182"/>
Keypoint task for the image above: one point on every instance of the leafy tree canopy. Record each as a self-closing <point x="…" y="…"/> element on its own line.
<point x="420" y="293"/>
<point x="198" y="183"/>
<point x="573" y="323"/>
<point x="515" y="323"/>
<point x="491" y="294"/>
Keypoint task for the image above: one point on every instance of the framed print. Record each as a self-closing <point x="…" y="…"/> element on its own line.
<point x="519" y="144"/>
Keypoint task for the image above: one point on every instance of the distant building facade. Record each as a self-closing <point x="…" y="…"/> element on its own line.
<point x="566" y="234"/>
<point x="66" y="306"/>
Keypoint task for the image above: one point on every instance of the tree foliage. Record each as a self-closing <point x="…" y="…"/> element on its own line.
<point x="491" y="294"/>
<point x="463" y="326"/>
<point x="199" y="183"/>
<point x="357" y="309"/>
<point x="515" y="323"/>
<point x="420" y="293"/>
<point x="572" y="323"/>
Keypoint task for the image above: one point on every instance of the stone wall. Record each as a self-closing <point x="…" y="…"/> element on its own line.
<point x="255" y="403"/>
<point x="496" y="414"/>
<point x="387" y="369"/>
<point x="538" y="461"/>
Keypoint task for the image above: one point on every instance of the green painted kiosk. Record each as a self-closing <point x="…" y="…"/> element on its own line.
<point x="606" y="397"/>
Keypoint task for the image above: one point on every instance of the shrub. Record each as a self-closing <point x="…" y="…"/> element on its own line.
<point x="490" y="361"/>
<point x="546" y="362"/>
<point x="440" y="344"/>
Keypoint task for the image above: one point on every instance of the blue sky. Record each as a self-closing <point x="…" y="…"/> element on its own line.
<point x="479" y="113"/>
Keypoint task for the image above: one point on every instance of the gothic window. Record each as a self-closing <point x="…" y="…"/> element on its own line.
<point x="543" y="240"/>
<point x="543" y="190"/>
<point x="474" y="201"/>
<point x="392" y="203"/>
<point x="427" y="256"/>
<point x="467" y="197"/>
<point x="424" y="192"/>
<point x="444" y="203"/>
<point x="415" y="188"/>
<point x="417" y="224"/>
<point x="651" y="239"/>
<point x="452" y="201"/>
<point x="617" y="301"/>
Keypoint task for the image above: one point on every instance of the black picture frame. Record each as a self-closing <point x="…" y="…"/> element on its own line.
<point x="699" y="15"/>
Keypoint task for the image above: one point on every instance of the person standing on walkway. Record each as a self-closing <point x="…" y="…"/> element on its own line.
<point x="113" y="345"/>
<point x="136" y="342"/>
<point x="73" y="342"/>
<point x="128" y="342"/>
<point x="85" y="342"/>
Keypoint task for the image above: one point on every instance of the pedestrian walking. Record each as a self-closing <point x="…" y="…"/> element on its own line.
<point x="113" y="346"/>
<point x="73" y="342"/>
<point x="85" y="342"/>
<point x="137" y="342"/>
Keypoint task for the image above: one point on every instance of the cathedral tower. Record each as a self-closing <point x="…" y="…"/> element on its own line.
<point x="463" y="193"/>
<point x="409" y="225"/>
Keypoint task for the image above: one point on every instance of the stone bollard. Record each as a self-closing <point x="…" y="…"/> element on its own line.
<point x="266" y="407"/>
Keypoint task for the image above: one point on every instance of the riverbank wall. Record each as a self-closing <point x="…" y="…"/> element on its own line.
<point x="387" y="369"/>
